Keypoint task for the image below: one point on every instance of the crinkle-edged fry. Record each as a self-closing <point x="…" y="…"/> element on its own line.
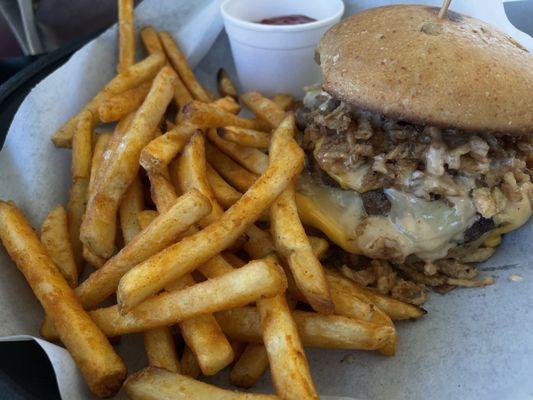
<point x="161" y="151"/>
<point x="214" y="116"/>
<point x="225" y="194"/>
<point x="225" y="85"/>
<point x="395" y="309"/>
<point x="283" y="101"/>
<point x="237" y="176"/>
<point x="146" y="217"/>
<point x="245" y="137"/>
<point x="179" y="62"/>
<point x="160" y="349"/>
<point x="319" y="245"/>
<point x="189" y="363"/>
<point x="98" y="227"/>
<point x="130" y="78"/>
<point x="130" y="205"/>
<point x="81" y="171"/>
<point x="126" y="35"/>
<point x="118" y="106"/>
<point x="101" y="367"/>
<point x="315" y="330"/>
<point x="56" y="241"/>
<point x="152" y="275"/>
<point x="252" y="159"/>
<point x="155" y="383"/>
<point x="263" y="108"/>
<point x="288" y="364"/>
<point x="250" y="366"/>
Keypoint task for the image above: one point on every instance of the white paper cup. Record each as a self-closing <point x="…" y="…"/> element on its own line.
<point x="277" y="58"/>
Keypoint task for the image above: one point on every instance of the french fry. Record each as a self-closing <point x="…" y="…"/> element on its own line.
<point x="225" y="194"/>
<point x="259" y="244"/>
<point x="213" y="116"/>
<point x="161" y="190"/>
<point x="162" y="150"/>
<point x="252" y="159"/>
<point x="130" y="205"/>
<point x="283" y="101"/>
<point x="160" y="349"/>
<point x="189" y="363"/>
<point x="155" y="273"/>
<point x="179" y="62"/>
<point x="118" y="106"/>
<point x="236" y="175"/>
<point x="229" y="104"/>
<point x="225" y="85"/>
<point x="101" y="367"/>
<point x="259" y="278"/>
<point x="98" y="227"/>
<point x="263" y="108"/>
<point x="155" y="383"/>
<point x="288" y="364"/>
<point x="95" y="261"/>
<point x="319" y="246"/>
<point x="250" y="366"/>
<point x="81" y="171"/>
<point x="151" y="41"/>
<point x="126" y="35"/>
<point x="145" y="218"/>
<point x="395" y="309"/>
<point x="245" y="137"/>
<point x="130" y="78"/>
<point x="55" y="239"/>
<point x="315" y="330"/>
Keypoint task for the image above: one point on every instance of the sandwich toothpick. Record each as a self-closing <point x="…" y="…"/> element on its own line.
<point x="444" y="8"/>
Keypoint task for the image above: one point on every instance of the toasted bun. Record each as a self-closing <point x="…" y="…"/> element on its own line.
<point x="406" y="63"/>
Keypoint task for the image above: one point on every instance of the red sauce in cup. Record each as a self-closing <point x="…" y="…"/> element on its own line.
<point x="287" y="20"/>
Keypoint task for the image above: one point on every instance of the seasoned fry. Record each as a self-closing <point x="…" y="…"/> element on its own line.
<point x="284" y="101"/>
<point x="98" y="227"/>
<point x="237" y="176"/>
<point x="245" y="137"/>
<point x="252" y="159"/>
<point x="155" y="383"/>
<point x="161" y="190"/>
<point x="152" y="275"/>
<point x="126" y="35"/>
<point x="288" y="364"/>
<point x="118" y="106"/>
<point x="250" y="366"/>
<point x="95" y="261"/>
<point x="259" y="244"/>
<point x="81" y="171"/>
<point x="130" y="205"/>
<point x="395" y="309"/>
<point x="319" y="245"/>
<point x="225" y="85"/>
<point x="55" y="239"/>
<point x="160" y="151"/>
<point x="315" y="330"/>
<point x="189" y="363"/>
<point x="101" y="367"/>
<point x="145" y="218"/>
<point x="263" y="108"/>
<point x="213" y="116"/>
<point x="151" y="41"/>
<point x="130" y="78"/>
<point x="161" y="350"/>
<point x="179" y="62"/>
<point x="229" y="104"/>
<point x="225" y="194"/>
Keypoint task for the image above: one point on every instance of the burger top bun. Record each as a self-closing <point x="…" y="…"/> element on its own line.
<point x="405" y="63"/>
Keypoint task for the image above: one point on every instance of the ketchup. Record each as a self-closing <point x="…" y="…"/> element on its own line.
<point x="294" y="19"/>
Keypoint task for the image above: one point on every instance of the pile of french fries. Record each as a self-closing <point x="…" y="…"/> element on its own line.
<point x="164" y="208"/>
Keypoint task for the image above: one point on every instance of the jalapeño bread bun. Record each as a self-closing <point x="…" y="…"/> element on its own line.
<point x="405" y="63"/>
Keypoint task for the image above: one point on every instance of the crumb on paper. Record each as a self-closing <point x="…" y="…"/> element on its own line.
<point x="348" y="359"/>
<point x="515" y="278"/>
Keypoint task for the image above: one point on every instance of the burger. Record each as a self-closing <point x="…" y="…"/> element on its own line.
<point x="419" y="146"/>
